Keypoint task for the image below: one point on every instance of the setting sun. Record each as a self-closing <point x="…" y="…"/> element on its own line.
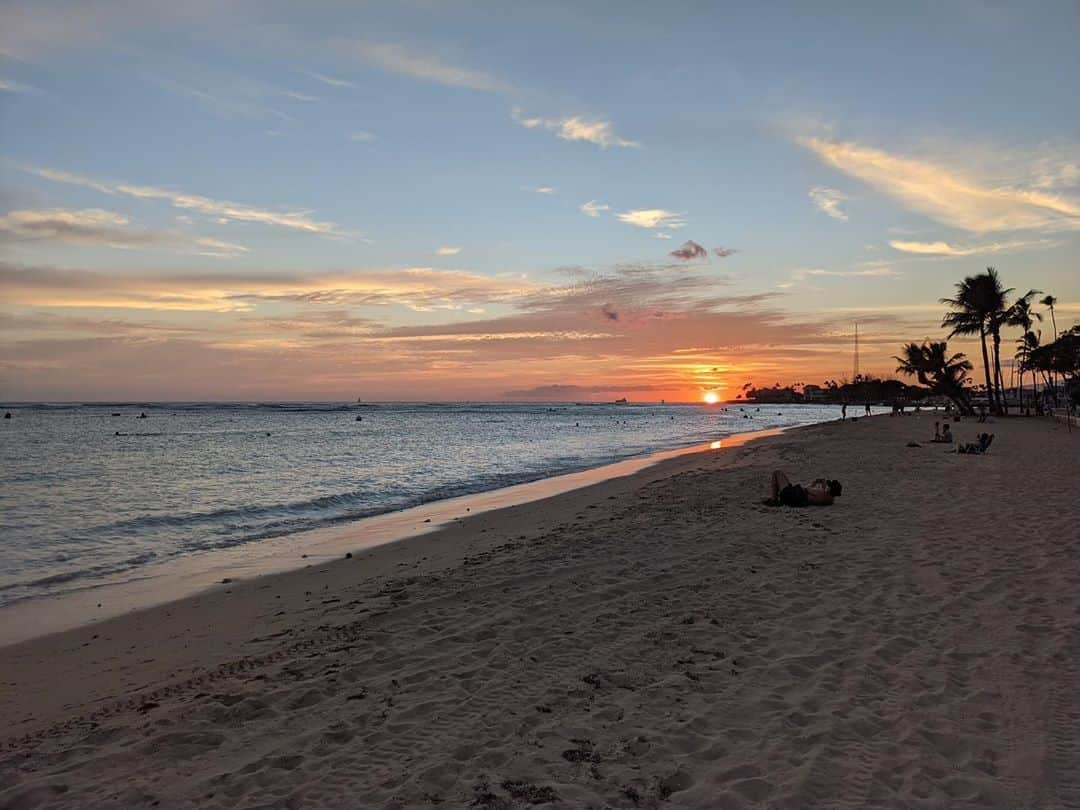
<point x="711" y="397"/>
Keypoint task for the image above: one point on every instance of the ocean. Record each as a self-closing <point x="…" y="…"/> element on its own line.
<point x="88" y="491"/>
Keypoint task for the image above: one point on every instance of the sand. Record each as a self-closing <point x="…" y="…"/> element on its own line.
<point x="657" y="640"/>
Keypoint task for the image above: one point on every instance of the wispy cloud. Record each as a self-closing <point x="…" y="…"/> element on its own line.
<point x="361" y="136"/>
<point x="946" y="249"/>
<point x="221" y="209"/>
<point x="418" y="288"/>
<point x="592" y="208"/>
<point x="723" y="252"/>
<point x="828" y="202"/>
<point x="540" y="189"/>
<point x="9" y="86"/>
<point x="576" y="128"/>
<point x="298" y="96"/>
<point x="880" y="271"/>
<point x="426" y="67"/>
<point x="226" y="101"/>
<point x="653" y="218"/>
<point x="948" y="195"/>
<point x="447" y="250"/>
<point x="329" y="80"/>
<point x="93" y="226"/>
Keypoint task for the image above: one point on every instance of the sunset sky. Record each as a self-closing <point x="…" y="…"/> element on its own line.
<point x="559" y="200"/>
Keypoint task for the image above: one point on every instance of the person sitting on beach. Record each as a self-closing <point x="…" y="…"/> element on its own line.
<point x="944" y="435"/>
<point x="976" y="448"/>
<point x="784" y="493"/>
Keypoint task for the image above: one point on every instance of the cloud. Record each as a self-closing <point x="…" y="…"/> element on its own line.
<point x="93" y="226"/>
<point x="880" y="271"/>
<point x="947" y="195"/>
<point x="330" y="80"/>
<point x="690" y="250"/>
<point x="447" y="250"/>
<point x="561" y="392"/>
<point x="297" y="96"/>
<point x="828" y="201"/>
<point x="575" y="128"/>
<point x="417" y="288"/>
<point x="222" y="209"/>
<point x="475" y="336"/>
<point x="946" y="249"/>
<point x="217" y="248"/>
<point x="425" y="67"/>
<point x="540" y="189"/>
<point x="9" y="86"/>
<point x="723" y="252"/>
<point x="656" y="218"/>
<point x="360" y="136"/>
<point x="242" y="99"/>
<point x="665" y="328"/>
<point x="27" y="29"/>
<point x="592" y="208"/>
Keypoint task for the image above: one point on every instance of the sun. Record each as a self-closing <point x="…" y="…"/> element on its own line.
<point x="711" y="397"/>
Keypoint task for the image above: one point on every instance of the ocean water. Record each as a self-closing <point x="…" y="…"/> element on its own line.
<point x="93" y="490"/>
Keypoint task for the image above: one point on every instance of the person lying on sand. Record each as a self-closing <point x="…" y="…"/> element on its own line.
<point x="784" y="493"/>
<point x="976" y="448"/>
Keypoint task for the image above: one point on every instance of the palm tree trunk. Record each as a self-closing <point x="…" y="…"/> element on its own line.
<point x="990" y="394"/>
<point x="1053" y="376"/>
<point x="999" y="379"/>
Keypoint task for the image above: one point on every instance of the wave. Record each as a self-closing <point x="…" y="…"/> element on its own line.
<point x="226" y="528"/>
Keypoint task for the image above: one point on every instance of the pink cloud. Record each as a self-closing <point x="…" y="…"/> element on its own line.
<point x="690" y="250"/>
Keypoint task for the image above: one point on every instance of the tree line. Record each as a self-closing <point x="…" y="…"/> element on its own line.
<point x="981" y="306"/>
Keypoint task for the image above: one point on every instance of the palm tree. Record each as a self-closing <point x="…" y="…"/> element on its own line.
<point x="1025" y="348"/>
<point x="1021" y="314"/>
<point x="932" y="365"/>
<point x="1050" y="301"/>
<point x="979" y="309"/>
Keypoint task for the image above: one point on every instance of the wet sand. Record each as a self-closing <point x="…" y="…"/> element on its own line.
<point x="662" y="639"/>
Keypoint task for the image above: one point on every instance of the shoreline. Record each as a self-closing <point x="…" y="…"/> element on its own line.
<point x="657" y="638"/>
<point x="189" y="575"/>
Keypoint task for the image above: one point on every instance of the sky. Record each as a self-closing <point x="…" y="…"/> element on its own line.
<point x="517" y="200"/>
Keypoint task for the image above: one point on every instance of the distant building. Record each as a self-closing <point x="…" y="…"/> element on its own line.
<point x="813" y="393"/>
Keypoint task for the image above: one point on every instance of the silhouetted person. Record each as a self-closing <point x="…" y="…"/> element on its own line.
<point x="819" y="493"/>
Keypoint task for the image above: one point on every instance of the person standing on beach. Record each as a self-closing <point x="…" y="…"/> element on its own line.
<point x="843" y="412"/>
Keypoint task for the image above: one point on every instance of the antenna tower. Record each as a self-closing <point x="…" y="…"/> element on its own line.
<point x="856" y="352"/>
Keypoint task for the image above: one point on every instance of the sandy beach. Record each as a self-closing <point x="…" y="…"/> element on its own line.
<point x="662" y="639"/>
